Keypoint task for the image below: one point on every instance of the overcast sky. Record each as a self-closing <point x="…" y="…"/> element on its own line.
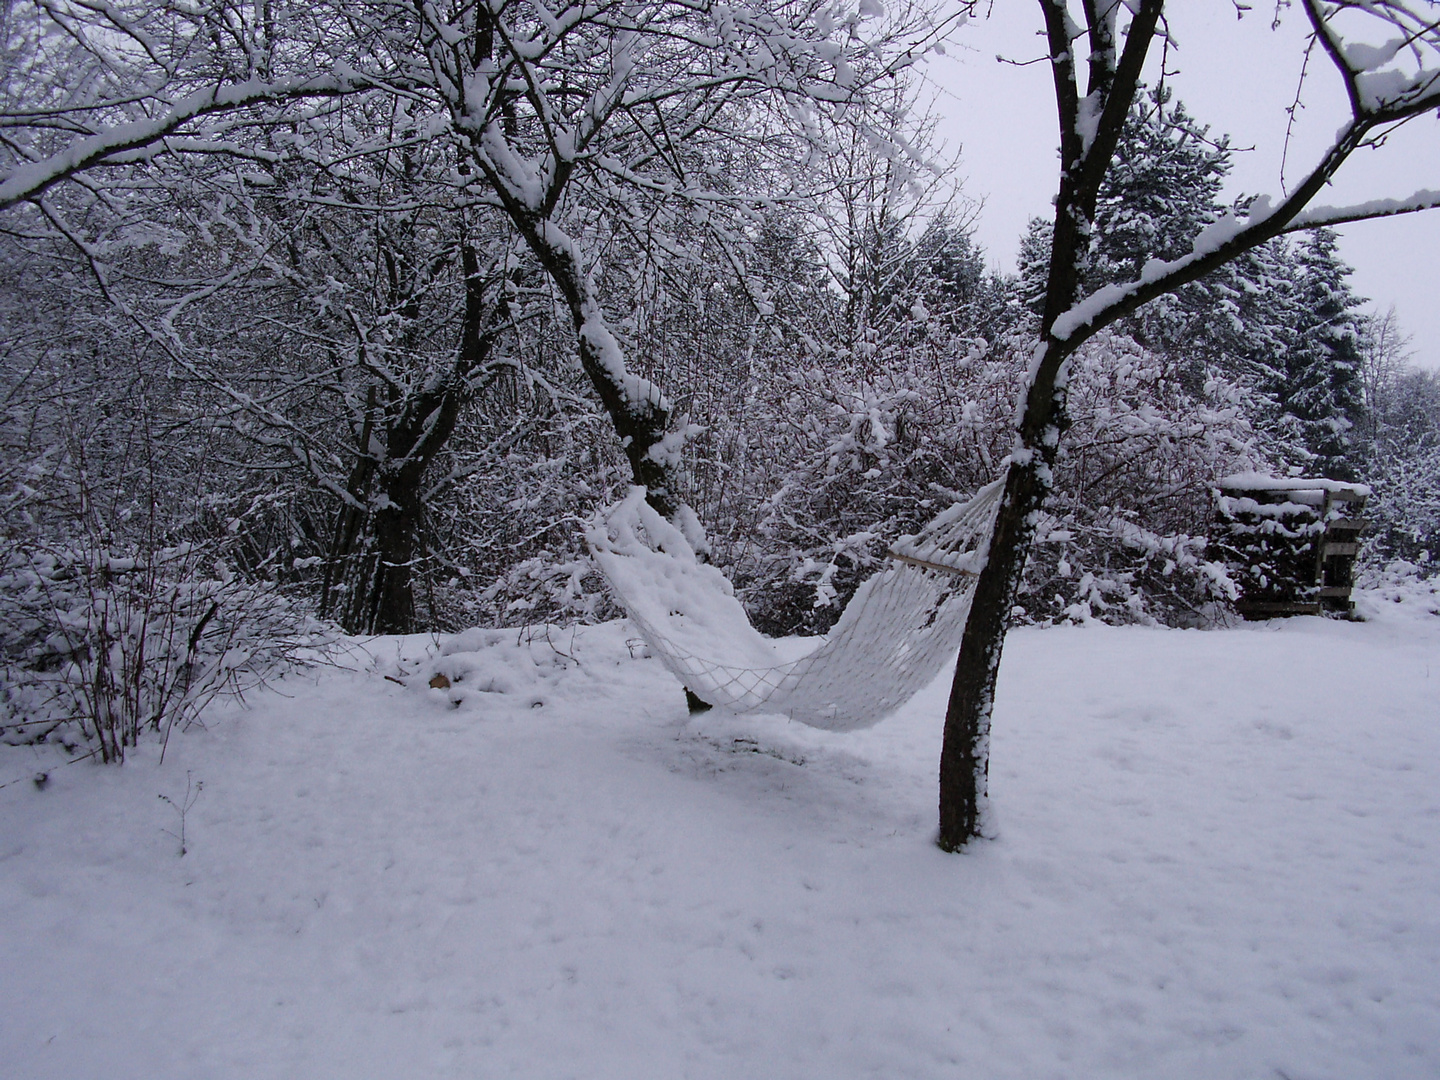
<point x="1238" y="76"/>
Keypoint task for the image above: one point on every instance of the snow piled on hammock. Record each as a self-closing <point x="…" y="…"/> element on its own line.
<point x="666" y="586"/>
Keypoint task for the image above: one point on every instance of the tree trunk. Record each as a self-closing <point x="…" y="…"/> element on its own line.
<point x="636" y="407"/>
<point x="965" y="751"/>
<point x="350" y="521"/>
<point x="376" y="547"/>
<point x="389" y="607"/>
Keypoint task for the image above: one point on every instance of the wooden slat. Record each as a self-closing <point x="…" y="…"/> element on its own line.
<point x="1278" y="607"/>
<point x="931" y="565"/>
<point x="1333" y="548"/>
<point x="1346" y="525"/>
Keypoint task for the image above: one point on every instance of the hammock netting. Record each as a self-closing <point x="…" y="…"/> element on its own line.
<point x="900" y="628"/>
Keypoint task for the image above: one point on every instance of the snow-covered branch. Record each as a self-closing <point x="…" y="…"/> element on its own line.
<point x="26" y="181"/>
<point x="1315" y="217"/>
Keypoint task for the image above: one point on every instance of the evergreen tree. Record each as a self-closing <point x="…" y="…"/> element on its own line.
<point x="1033" y="264"/>
<point x="1161" y="191"/>
<point x="948" y="272"/>
<point x="1279" y="320"/>
<point x="1249" y="334"/>
<point x="1323" y="393"/>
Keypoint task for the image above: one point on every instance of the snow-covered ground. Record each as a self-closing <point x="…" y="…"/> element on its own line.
<point x="1219" y="858"/>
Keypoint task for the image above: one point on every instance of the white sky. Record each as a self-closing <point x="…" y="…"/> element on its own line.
<point x="1235" y="75"/>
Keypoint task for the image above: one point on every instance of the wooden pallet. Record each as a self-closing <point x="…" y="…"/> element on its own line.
<point x="1325" y="583"/>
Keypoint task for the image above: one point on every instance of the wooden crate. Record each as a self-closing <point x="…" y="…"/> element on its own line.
<point x="1290" y="543"/>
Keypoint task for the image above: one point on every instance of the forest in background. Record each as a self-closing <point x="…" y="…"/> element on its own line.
<point x="307" y="378"/>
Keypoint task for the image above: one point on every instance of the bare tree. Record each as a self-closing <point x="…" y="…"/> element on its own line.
<point x="1384" y="51"/>
<point x="554" y="115"/>
<point x="1385" y="355"/>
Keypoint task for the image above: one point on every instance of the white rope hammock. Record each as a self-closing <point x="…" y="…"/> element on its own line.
<point x="899" y="629"/>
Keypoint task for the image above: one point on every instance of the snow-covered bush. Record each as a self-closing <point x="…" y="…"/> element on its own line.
<point x="1401" y="582"/>
<point x="100" y="647"/>
<point x="120" y="611"/>
<point x="838" y="462"/>
<point x="505" y="547"/>
<point x="551" y="587"/>
<point x="1125" y="535"/>
<point x="854" y="461"/>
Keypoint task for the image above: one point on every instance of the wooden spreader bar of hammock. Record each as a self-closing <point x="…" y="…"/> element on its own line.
<point x="932" y="565"/>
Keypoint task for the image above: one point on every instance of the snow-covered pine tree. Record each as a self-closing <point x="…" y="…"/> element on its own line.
<point x="1323" y="397"/>
<point x="1033" y="265"/>
<point x="1162" y="190"/>
<point x="1249" y="335"/>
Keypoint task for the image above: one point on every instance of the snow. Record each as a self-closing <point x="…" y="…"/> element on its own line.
<point x="1381" y="90"/>
<point x="1097" y="303"/>
<point x="636" y="391"/>
<point x="1423" y="199"/>
<point x="1302" y="506"/>
<point x="521" y="176"/>
<point x="651" y="563"/>
<point x="1254" y="481"/>
<point x="1362" y="57"/>
<point x="1087" y="118"/>
<point x="1217" y="859"/>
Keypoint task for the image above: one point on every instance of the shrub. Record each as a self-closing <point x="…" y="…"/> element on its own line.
<point x="99" y="648"/>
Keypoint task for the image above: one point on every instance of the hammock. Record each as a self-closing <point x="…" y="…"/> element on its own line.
<point x="899" y="629"/>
